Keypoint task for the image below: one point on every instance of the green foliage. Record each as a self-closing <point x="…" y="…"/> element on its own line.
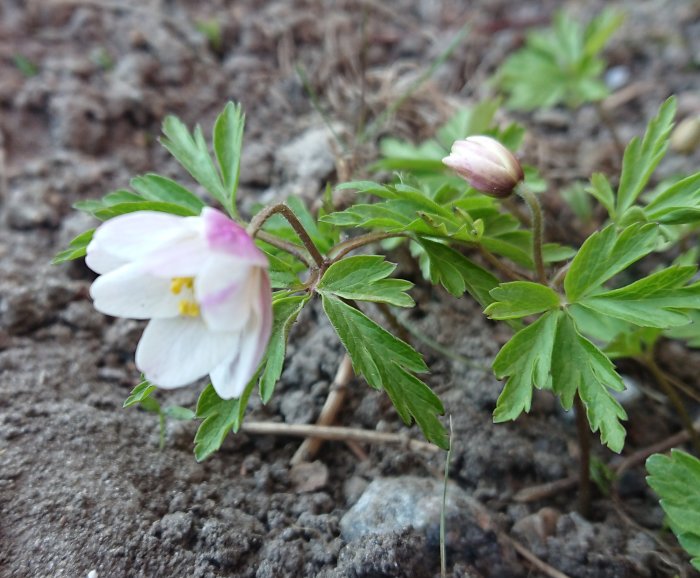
<point x="191" y="151"/>
<point x="561" y="64"/>
<point x="654" y="301"/>
<point x="580" y="367"/>
<point x="642" y="157"/>
<point x="605" y="254"/>
<point x="141" y="392"/>
<point x="520" y="299"/>
<point x="364" y="278"/>
<point x="25" y="66"/>
<point x="154" y="187"/>
<point x="285" y="310"/>
<point x="676" y="480"/>
<point x="76" y="248"/>
<point x="526" y="360"/>
<point x="220" y="417"/>
<point x="551" y="353"/>
<point x="388" y="363"/>
<point x="455" y="272"/>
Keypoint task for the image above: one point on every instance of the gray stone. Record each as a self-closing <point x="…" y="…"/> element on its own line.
<point x="308" y="158"/>
<point x="391" y="505"/>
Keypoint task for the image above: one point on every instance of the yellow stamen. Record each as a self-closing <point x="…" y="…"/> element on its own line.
<point x="178" y="283"/>
<point x="188" y="308"/>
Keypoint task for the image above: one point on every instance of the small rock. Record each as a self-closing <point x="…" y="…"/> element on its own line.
<point x="308" y="158"/>
<point x="297" y="407"/>
<point x="394" y="504"/>
<point x="173" y="528"/>
<point x="685" y="138"/>
<point x="309" y="477"/>
<point x="536" y="528"/>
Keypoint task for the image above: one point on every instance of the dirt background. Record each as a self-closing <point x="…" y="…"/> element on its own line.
<point x="84" y="489"/>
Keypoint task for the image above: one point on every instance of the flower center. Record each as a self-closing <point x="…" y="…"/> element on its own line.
<point x="186" y="306"/>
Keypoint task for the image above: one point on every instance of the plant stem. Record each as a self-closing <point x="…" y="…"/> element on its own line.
<point x="536" y="211"/>
<point x="281" y="209"/>
<point x="584" y="442"/>
<point x="499" y="265"/>
<point x="673" y="397"/>
<point x="342" y="249"/>
<point x="290" y="248"/>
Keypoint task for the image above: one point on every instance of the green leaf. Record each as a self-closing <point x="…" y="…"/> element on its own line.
<point x="689" y="333"/>
<point x="676" y="480"/>
<point x="190" y="150"/>
<point x="642" y="156"/>
<point x="228" y="144"/>
<point x="105" y="213"/>
<point x="220" y="416"/>
<point x="600" y="189"/>
<point x="678" y="204"/>
<point x="386" y="363"/>
<point x="139" y="393"/>
<point x="526" y="360"/>
<point x="579" y="366"/>
<point x="606" y="253"/>
<point x="285" y="312"/>
<point x="653" y="301"/>
<point x="158" y="188"/>
<point x="364" y="278"/>
<point x="520" y="299"/>
<point x="77" y="248"/>
<point x="457" y="273"/>
<point x="600" y="29"/>
<point x="179" y="412"/>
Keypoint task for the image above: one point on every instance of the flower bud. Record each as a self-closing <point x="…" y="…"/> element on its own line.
<point x="486" y="165"/>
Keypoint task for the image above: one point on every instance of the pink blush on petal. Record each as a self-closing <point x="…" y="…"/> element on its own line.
<point x="222" y="234"/>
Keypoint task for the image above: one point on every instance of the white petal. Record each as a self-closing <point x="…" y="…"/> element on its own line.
<point x="130" y="292"/>
<point x="230" y="377"/>
<point x="100" y="260"/>
<point x="174" y="352"/>
<point x="136" y="234"/>
<point x="225" y="289"/>
<point x="181" y="258"/>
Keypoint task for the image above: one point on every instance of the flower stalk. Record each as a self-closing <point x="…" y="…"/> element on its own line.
<point x="281" y="209"/>
<point x="537" y="230"/>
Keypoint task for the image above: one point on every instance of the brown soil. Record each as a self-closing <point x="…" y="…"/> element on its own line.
<point x="84" y="488"/>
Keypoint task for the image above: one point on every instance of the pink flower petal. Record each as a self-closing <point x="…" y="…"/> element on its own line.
<point x="222" y="234"/>
<point x="177" y="351"/>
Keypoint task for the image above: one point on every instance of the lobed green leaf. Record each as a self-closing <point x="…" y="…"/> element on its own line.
<point x="285" y="311"/>
<point x="642" y="157"/>
<point x="387" y="363"/>
<point x="604" y="254"/>
<point x="676" y="480"/>
<point x="364" y="278"/>
<point x="520" y="299"/>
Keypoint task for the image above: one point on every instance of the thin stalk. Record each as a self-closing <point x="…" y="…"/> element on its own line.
<point x="286" y="246"/>
<point x="499" y="265"/>
<point x="342" y="249"/>
<point x="584" y="442"/>
<point x="443" y="508"/>
<point x="537" y="231"/>
<point x="674" y="398"/>
<point x="280" y="209"/>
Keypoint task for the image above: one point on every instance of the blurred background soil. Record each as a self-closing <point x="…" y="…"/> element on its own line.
<point x="84" y="488"/>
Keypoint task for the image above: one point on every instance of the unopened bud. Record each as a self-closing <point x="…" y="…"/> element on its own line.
<point x="486" y="165"/>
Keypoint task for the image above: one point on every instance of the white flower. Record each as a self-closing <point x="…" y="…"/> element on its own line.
<point x="203" y="284"/>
